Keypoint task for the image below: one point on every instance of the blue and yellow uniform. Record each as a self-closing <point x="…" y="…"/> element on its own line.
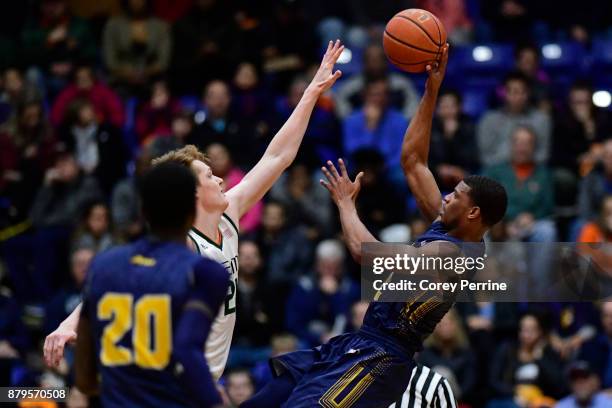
<point x="369" y="368"/>
<point x="137" y="298"/>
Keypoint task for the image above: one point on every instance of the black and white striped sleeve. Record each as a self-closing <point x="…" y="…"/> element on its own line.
<point x="426" y="389"/>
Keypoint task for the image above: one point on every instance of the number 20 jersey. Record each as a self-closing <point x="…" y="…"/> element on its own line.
<point x="226" y="253"/>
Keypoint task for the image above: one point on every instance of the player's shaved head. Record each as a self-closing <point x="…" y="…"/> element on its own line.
<point x="168" y="193"/>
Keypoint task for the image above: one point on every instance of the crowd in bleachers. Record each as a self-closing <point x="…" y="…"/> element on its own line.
<point x="91" y="91"/>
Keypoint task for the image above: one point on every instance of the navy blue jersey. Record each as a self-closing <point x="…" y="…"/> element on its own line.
<point x="134" y="298"/>
<point x="407" y="324"/>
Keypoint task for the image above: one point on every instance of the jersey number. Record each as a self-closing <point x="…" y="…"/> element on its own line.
<point x="151" y="348"/>
<point x="230" y="299"/>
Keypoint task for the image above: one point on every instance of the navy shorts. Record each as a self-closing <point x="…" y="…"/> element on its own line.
<point x="352" y="370"/>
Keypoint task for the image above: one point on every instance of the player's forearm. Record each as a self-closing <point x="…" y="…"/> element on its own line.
<point x="72" y="321"/>
<point x="287" y="140"/>
<point x="355" y="233"/>
<point x="415" y="147"/>
<point x="189" y="343"/>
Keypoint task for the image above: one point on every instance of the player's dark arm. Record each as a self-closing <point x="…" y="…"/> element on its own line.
<point x="415" y="147"/>
<point x="85" y="361"/>
<point x="344" y="193"/>
<point x="210" y="285"/>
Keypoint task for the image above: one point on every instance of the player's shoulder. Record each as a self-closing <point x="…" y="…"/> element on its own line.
<point x="225" y="217"/>
<point x="208" y="272"/>
<point x="112" y="256"/>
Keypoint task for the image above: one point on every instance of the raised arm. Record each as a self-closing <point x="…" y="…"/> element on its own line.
<point x="415" y="147"/>
<point x="284" y="146"/>
<point x="344" y="193"/>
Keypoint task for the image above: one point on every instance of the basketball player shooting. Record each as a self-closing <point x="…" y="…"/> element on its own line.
<point x="370" y="368"/>
<point x="215" y="233"/>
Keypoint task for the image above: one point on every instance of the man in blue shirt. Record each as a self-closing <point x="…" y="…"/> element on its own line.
<point x="376" y="125"/>
<point x="586" y="385"/>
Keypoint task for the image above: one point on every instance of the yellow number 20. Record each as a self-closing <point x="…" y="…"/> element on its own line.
<point x="148" y="309"/>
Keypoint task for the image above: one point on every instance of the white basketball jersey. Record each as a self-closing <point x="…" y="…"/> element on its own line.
<point x="220" y="337"/>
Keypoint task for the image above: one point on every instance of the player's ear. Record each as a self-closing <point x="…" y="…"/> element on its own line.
<point x="474" y="213"/>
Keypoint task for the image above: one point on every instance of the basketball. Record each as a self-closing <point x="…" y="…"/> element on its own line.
<point x="413" y="39"/>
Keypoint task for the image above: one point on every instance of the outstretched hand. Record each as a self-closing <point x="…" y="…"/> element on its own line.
<point x="437" y="70"/>
<point x="325" y="77"/>
<point x="340" y="185"/>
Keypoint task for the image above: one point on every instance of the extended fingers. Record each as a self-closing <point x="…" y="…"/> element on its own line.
<point x="332" y="169"/>
<point x="342" y="168"/>
<point x="48" y="350"/>
<point x="329" y="176"/>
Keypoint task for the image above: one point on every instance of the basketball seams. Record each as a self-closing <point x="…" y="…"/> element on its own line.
<point x="391" y="36"/>
<point x="423" y="29"/>
<point x="435" y="19"/>
<point x="393" y="60"/>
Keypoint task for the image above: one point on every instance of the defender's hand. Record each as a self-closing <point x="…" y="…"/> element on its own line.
<point x="55" y="343"/>
<point x="340" y="186"/>
<point x="324" y="78"/>
<point x="437" y="71"/>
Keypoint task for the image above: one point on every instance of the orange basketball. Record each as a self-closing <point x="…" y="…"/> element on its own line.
<point x="413" y="39"/>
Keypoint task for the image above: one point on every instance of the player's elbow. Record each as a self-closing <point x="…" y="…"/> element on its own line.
<point x="409" y="160"/>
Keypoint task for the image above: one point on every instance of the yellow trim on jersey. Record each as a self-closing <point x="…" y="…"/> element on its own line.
<point x="143" y="261"/>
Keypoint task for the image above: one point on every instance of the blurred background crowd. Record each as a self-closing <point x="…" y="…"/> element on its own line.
<point x="91" y="91"/>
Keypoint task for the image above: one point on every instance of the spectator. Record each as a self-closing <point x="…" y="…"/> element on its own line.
<point x="586" y="388"/>
<point x="128" y="223"/>
<point x="220" y="126"/>
<point x="205" y="45"/>
<point x="596" y="185"/>
<point x="14" y="339"/>
<point x="358" y="312"/>
<point x="93" y="230"/>
<point x="106" y="102"/>
<point x="285" y="248"/>
<point x="293" y="43"/>
<point x="27" y="150"/>
<point x="306" y="202"/>
<point x="453" y="16"/>
<point x="529" y="188"/>
<point x="67" y="298"/>
<point x="318" y="305"/>
<point x="527" y="62"/>
<point x="250" y="99"/>
<point x="453" y="142"/>
<point x="529" y="367"/>
<point x="322" y="140"/>
<point x="16" y="90"/>
<point x="222" y="166"/>
<point x="281" y="344"/>
<point x="600" y="229"/>
<point x="376" y="125"/>
<point x="376" y="213"/>
<point x="33" y="259"/>
<point x="240" y="386"/>
<point x="154" y="117"/>
<point x="66" y="188"/>
<point x="598" y="351"/>
<point x="350" y="95"/>
<point x="136" y="46"/>
<point x="53" y="40"/>
<point x="510" y="19"/>
<point x="98" y="146"/>
<point x="448" y="347"/>
<point x="254" y="315"/>
<point x="494" y="132"/>
<point x="579" y="129"/>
